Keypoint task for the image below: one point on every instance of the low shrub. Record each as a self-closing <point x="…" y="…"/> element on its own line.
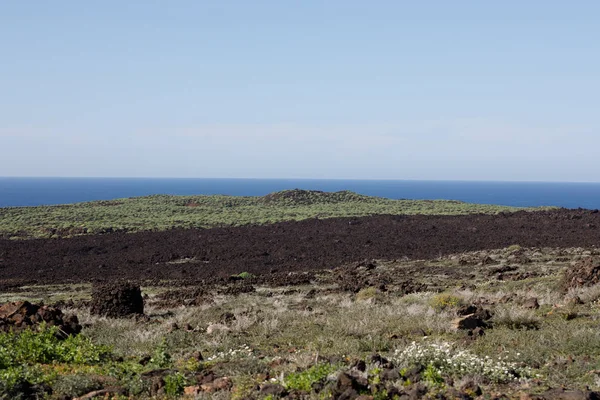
<point x="245" y="275"/>
<point x="174" y="384"/>
<point x="444" y="301"/>
<point x="443" y="359"/>
<point x="367" y="293"/>
<point x="305" y="379"/>
<point x="22" y="354"/>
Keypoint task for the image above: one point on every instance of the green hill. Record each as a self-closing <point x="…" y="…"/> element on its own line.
<point x="161" y="212"/>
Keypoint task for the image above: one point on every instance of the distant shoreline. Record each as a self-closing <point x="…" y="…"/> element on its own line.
<point x="16" y="192"/>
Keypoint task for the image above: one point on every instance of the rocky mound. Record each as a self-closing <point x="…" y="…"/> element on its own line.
<point x="117" y="300"/>
<point x="22" y="315"/>
<point x="308" y="197"/>
<point x="582" y="274"/>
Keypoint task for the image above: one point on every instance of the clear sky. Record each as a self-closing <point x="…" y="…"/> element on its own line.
<point x="473" y="90"/>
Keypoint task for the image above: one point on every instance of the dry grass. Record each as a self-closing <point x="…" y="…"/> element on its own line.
<point x="288" y="332"/>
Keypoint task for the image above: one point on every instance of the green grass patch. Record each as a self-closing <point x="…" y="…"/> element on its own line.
<point x="304" y="380"/>
<point x="162" y="212"/>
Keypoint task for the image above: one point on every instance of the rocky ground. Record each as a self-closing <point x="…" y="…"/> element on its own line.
<point x="195" y="255"/>
<point x="515" y="322"/>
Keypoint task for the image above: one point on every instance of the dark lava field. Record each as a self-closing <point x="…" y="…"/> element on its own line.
<point x="205" y="254"/>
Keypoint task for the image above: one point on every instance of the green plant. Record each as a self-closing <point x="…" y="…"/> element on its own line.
<point x="22" y="354"/>
<point x="174" y="384"/>
<point x="513" y="248"/>
<point x="367" y="293"/>
<point x="444" y="359"/>
<point x="75" y="385"/>
<point x="161" y="212"/>
<point x="433" y="376"/>
<point x="161" y="357"/>
<point x="43" y="346"/>
<point x="22" y="375"/>
<point x="305" y="379"/>
<point x="245" y="275"/>
<point x="444" y="301"/>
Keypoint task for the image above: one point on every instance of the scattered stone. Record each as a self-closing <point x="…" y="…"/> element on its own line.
<point x="532" y="303"/>
<point x="471" y="388"/>
<point x="382" y="361"/>
<point x="359" y="365"/>
<point x="23" y="315"/>
<point x="390" y="374"/>
<point x="234" y="290"/>
<point x="273" y="389"/>
<point x="117" y="300"/>
<point x="205" y="377"/>
<point x="574" y="301"/>
<point x="214" y="328"/>
<point x="418" y="332"/>
<point x="197" y="356"/>
<point x="583" y="273"/>
<point x="218" y="384"/>
<point x="348" y="386"/>
<point x="227" y="317"/>
<point x="157" y="387"/>
<point x="191" y="390"/>
<point x="479" y="319"/>
<point x="563" y="394"/>
<point x="416" y="391"/>
<point x="145" y="360"/>
<point x="466" y="310"/>
<point x="101" y="393"/>
<point x="413" y="374"/>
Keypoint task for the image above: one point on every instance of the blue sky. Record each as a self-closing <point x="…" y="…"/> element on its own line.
<point x="465" y="90"/>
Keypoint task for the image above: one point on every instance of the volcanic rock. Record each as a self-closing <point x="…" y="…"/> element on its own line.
<point x="117" y="300"/>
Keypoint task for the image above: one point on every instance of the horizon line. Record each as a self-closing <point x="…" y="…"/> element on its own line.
<point x="298" y="179"/>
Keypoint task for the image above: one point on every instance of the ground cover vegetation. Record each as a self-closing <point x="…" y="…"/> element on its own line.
<point x="518" y="322"/>
<point x="163" y="212"/>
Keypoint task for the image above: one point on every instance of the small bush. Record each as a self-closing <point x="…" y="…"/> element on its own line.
<point x="75" y="385"/>
<point x="367" y="293"/>
<point x="245" y="275"/>
<point x="161" y="357"/>
<point x="43" y="346"/>
<point x="433" y="376"/>
<point x="445" y="360"/>
<point x="514" y="248"/>
<point x="21" y="355"/>
<point x="174" y="384"/>
<point x="305" y="379"/>
<point x="444" y="301"/>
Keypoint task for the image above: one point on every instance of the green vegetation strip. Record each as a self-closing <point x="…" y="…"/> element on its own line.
<point x="161" y="212"/>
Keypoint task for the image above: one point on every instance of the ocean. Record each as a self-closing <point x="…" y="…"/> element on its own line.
<point x="16" y="192"/>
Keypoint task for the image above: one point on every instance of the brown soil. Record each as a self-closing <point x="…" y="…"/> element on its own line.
<point x="196" y="255"/>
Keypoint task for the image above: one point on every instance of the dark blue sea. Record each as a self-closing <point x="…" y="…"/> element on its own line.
<point x="46" y="191"/>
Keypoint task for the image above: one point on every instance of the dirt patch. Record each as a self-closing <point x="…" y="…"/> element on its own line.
<point x="117" y="300"/>
<point x="286" y="247"/>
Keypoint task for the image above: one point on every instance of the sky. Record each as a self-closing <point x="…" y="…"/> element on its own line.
<point x="442" y="90"/>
